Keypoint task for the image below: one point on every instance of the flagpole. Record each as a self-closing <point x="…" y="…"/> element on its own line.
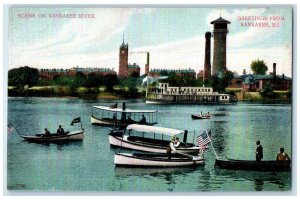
<point x="212" y="145"/>
<point x="16" y="129"/>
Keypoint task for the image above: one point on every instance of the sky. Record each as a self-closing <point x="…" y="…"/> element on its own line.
<point x="175" y="37"/>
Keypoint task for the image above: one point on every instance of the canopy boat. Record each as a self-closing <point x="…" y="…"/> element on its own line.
<point x="134" y="138"/>
<point x="41" y="138"/>
<point x="200" y="116"/>
<point x="270" y="165"/>
<point x="156" y="160"/>
<point x="114" y="116"/>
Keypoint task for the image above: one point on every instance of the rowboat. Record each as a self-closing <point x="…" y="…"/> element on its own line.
<point x="156" y="160"/>
<point x="122" y="117"/>
<point x="150" y="139"/>
<point x="252" y="165"/>
<point x="40" y="138"/>
<point x="200" y="117"/>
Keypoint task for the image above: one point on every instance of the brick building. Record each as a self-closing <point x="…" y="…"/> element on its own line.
<point x="50" y="74"/>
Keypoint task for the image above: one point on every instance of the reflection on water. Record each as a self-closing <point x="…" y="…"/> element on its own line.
<point x="88" y="165"/>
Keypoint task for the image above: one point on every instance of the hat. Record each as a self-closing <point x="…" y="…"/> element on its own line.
<point x="173" y="139"/>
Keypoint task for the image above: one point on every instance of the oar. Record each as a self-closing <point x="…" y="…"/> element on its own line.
<point x="189" y="156"/>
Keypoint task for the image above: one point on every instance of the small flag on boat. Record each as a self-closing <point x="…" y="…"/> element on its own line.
<point x="203" y="140"/>
<point x="114" y="105"/>
<point x="10" y="128"/>
<point x="76" y="120"/>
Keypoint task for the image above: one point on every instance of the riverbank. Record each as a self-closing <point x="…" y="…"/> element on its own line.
<point x="124" y="93"/>
<point x="81" y="92"/>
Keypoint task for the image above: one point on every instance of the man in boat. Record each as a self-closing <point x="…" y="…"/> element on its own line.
<point x="143" y="120"/>
<point x="282" y="155"/>
<point x="60" y="130"/>
<point x="259" y="151"/>
<point x="207" y="115"/>
<point x="47" y="133"/>
<point x="129" y="120"/>
<point x="177" y="142"/>
<point x="171" y="147"/>
<point x="114" y="117"/>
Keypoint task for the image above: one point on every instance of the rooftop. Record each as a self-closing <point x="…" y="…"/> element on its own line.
<point x="174" y="70"/>
<point x="221" y="21"/>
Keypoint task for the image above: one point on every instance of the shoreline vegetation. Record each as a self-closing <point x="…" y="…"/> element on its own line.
<point x="125" y="93"/>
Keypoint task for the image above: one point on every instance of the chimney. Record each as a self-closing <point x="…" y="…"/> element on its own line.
<point x="282" y="76"/>
<point x="244" y="71"/>
<point x="274" y="69"/>
<point x="207" y="65"/>
<point x="147" y="64"/>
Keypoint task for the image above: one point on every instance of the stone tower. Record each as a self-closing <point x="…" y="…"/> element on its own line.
<point x="123" y="59"/>
<point x="207" y="65"/>
<point x="219" y="33"/>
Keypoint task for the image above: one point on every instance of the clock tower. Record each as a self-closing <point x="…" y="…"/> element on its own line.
<point x="123" y="59"/>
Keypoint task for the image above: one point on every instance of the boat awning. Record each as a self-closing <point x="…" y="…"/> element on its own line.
<point x="154" y="129"/>
<point x="123" y="111"/>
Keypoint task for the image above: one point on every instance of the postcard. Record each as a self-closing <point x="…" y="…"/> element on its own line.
<point x="149" y="99"/>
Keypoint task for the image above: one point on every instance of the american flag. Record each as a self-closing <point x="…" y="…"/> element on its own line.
<point x="203" y="140"/>
<point x="10" y="128"/>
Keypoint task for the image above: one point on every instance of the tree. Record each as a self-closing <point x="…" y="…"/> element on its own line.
<point x="259" y="67"/>
<point x="220" y="82"/>
<point x="23" y="76"/>
<point x="267" y="91"/>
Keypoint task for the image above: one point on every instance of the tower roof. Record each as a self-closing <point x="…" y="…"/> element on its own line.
<point x="220" y="20"/>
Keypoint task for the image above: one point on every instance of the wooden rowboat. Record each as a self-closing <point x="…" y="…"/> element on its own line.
<point x="156" y="160"/>
<point x="40" y="138"/>
<point x="200" y="117"/>
<point x="252" y="165"/>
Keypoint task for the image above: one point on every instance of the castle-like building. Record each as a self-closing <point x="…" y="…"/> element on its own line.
<point x="125" y="69"/>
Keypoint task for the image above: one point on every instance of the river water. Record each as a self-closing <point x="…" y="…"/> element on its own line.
<point x="88" y="165"/>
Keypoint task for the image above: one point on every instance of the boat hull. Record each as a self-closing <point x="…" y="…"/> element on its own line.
<point x="200" y="117"/>
<point x="72" y="136"/>
<point x="139" y="146"/>
<point x="254" y="165"/>
<point x="130" y="160"/>
<point x="110" y="122"/>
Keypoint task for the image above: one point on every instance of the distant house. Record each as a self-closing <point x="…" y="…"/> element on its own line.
<point x="255" y="83"/>
<point x="133" y="70"/>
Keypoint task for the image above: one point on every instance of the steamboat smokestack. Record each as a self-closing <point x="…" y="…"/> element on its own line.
<point x="207" y="65"/>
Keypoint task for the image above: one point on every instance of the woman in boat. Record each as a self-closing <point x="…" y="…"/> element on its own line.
<point x="282" y="155"/>
<point x="259" y="151"/>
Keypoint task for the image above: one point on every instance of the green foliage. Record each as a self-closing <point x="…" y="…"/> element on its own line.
<point x="220" y="82"/>
<point x="259" y="67"/>
<point x="268" y="91"/>
<point x="180" y="81"/>
<point x="23" y="76"/>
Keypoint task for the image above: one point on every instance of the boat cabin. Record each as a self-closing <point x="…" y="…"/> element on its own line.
<point x="114" y="116"/>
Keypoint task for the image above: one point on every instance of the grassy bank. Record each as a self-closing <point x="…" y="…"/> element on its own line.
<point x="81" y="92"/>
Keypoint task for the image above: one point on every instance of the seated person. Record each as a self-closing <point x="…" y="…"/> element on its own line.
<point x="129" y="119"/>
<point x="47" y="133"/>
<point x="143" y="120"/>
<point x="177" y="143"/>
<point x="60" y="130"/>
<point x="282" y="155"/>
